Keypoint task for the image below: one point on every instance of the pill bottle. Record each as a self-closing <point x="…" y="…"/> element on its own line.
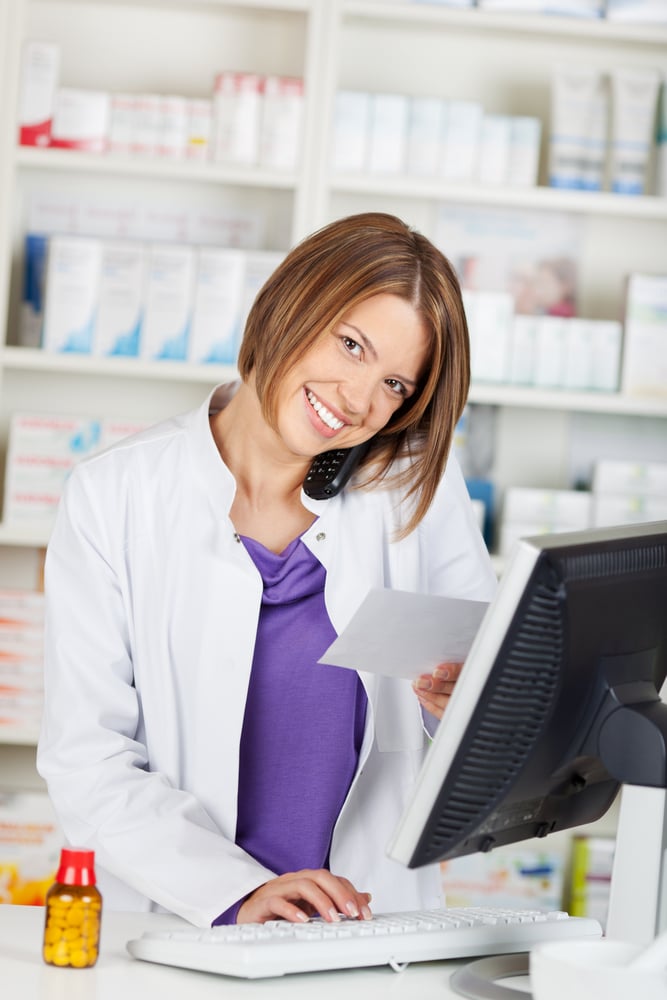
<point x="73" y="912"/>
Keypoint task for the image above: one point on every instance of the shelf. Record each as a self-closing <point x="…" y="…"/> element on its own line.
<point x="24" y="736"/>
<point x="28" y="359"/>
<point x="68" y="160"/>
<point x="562" y="399"/>
<point x="22" y="536"/>
<point x="551" y="199"/>
<point x="473" y="19"/>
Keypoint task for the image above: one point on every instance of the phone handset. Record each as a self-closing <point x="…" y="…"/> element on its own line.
<point x="330" y="471"/>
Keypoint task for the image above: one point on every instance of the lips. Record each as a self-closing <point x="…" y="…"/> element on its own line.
<point x="325" y="415"/>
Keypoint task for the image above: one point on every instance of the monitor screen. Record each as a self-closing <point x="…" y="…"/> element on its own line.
<point x="558" y="703"/>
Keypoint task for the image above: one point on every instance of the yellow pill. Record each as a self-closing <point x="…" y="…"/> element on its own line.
<point x="60" y="954"/>
<point x="75" y="916"/>
<point x="79" y="958"/>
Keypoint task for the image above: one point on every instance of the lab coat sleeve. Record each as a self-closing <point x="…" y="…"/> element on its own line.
<point x="154" y="837"/>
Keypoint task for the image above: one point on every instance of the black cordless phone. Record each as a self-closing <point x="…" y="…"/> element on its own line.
<point x="330" y="471"/>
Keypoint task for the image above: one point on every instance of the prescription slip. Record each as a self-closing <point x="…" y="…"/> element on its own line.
<point x="401" y="634"/>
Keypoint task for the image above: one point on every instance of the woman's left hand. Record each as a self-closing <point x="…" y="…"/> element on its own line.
<point x="434" y="690"/>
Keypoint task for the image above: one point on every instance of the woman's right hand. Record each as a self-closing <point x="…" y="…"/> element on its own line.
<point x="297" y="896"/>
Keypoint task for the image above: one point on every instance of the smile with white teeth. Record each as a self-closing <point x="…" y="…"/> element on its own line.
<point x="325" y="416"/>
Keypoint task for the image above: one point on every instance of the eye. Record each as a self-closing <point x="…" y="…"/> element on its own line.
<point x="396" y="387"/>
<point x="352" y="347"/>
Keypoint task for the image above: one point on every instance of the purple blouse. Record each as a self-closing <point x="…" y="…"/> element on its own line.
<point x="303" y="723"/>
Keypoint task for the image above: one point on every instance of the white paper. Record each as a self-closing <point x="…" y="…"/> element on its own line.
<point x="401" y="634"/>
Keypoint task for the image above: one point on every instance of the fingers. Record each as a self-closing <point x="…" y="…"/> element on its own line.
<point x="434" y="690"/>
<point x="297" y="896"/>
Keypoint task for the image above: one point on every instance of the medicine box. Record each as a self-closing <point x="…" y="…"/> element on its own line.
<point x="72" y="283"/>
<point x="495" y="138"/>
<point x="199" y="129"/>
<point x="32" y="299"/>
<point x="281" y="122"/>
<point x="351" y="129"/>
<point x="646" y="478"/>
<point x="259" y="266"/>
<point x="490" y="318"/>
<point x="121" y="296"/>
<point x="388" y="133"/>
<point x="461" y="140"/>
<point x="550" y="352"/>
<point x="40" y="68"/>
<point x="81" y="120"/>
<point x="218" y="300"/>
<point x="172" y="127"/>
<point x="237" y="110"/>
<point x="425" y="135"/>
<point x="29" y="847"/>
<point x="617" y="508"/>
<point x="42" y="452"/>
<point x="169" y="298"/>
<point x="644" y="370"/>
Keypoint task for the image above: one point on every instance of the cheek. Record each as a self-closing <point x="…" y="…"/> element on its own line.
<point x="384" y="407"/>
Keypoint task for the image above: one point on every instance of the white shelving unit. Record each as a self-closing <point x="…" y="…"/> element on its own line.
<point x="502" y="60"/>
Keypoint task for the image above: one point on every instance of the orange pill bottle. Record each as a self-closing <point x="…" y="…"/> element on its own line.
<point x="73" y="912"/>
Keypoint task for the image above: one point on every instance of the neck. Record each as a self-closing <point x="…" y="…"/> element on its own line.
<point x="267" y="504"/>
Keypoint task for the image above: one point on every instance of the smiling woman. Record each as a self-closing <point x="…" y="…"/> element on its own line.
<point x="192" y="586"/>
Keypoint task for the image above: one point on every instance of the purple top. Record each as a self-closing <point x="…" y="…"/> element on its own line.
<point x="303" y="723"/>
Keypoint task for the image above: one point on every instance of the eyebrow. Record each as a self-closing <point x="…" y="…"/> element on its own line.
<point x="371" y="350"/>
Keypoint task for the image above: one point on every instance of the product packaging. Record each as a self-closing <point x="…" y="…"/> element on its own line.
<point x="32" y="300"/>
<point x="495" y="140"/>
<point x="40" y="68"/>
<point x="645" y="337"/>
<point x="169" y="290"/>
<point x="281" y="122"/>
<point x="218" y="298"/>
<point x="387" y="142"/>
<point x="578" y="141"/>
<point x="31" y="836"/>
<point x="523" y="346"/>
<point x="172" y="128"/>
<point x="237" y="111"/>
<point x="81" y="120"/>
<point x="524" y="154"/>
<point x="120" y="300"/>
<point x="425" y="129"/>
<point x="351" y="127"/>
<point x="661" y="143"/>
<point x="199" y="128"/>
<point x="461" y="143"/>
<point x="73" y="912"/>
<point x="550" y="348"/>
<point x="634" y="105"/>
<point x="72" y="283"/>
<point x="146" y="125"/>
<point x="490" y="317"/>
<point x="122" y="124"/>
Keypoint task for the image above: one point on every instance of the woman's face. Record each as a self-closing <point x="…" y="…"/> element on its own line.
<point x="346" y="387"/>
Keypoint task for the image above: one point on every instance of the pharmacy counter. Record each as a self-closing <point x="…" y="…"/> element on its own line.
<point x="117" y="976"/>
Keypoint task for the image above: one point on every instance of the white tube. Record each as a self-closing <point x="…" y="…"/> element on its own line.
<point x="579" y="106"/>
<point x="634" y="101"/>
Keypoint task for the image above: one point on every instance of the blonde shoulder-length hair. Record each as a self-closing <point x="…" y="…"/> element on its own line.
<point x="318" y="282"/>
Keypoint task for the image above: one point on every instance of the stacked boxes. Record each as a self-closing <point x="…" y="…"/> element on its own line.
<point x="159" y="301"/>
<point x="248" y="119"/>
<point x="21" y="659"/>
<point x="529" y="512"/>
<point x="629" y="492"/>
<point x="454" y="140"/>
<point x="42" y="452"/>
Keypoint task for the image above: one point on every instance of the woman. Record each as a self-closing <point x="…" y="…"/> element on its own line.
<point x="190" y="736"/>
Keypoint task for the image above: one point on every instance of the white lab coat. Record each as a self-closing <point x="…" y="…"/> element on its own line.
<point x="152" y="607"/>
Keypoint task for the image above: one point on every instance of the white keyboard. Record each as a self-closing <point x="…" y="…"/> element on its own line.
<point x="254" y="951"/>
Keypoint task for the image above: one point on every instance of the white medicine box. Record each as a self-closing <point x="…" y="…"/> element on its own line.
<point x="72" y="284"/>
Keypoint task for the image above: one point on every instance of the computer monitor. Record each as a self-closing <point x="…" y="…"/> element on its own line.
<point x="557" y="706"/>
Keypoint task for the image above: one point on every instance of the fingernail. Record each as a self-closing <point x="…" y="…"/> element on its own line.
<point x="334" y="915"/>
<point x="351" y="909"/>
<point x="366" y="913"/>
<point x="442" y="673"/>
<point x="302" y="917"/>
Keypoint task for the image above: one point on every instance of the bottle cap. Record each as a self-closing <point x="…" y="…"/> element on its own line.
<point x="77" y="866"/>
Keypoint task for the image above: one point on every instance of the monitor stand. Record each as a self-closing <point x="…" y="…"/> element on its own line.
<point x="638" y="896"/>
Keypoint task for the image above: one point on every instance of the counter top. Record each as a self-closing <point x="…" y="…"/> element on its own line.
<point x="117" y="976"/>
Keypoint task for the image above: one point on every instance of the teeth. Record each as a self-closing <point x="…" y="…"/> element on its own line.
<point x="324" y="415"/>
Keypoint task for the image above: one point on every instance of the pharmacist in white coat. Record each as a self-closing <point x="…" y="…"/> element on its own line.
<point x="190" y="737"/>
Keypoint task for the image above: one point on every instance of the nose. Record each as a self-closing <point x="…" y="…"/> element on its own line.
<point x="357" y="394"/>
